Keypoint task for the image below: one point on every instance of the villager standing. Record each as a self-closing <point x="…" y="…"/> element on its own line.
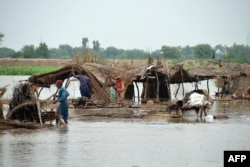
<point x="62" y="99"/>
<point x="112" y="93"/>
<point x="84" y="83"/>
<point x="119" y="86"/>
<point x="225" y="88"/>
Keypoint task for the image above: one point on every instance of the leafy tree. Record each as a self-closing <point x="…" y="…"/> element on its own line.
<point x="66" y="51"/>
<point x="111" y="52"/>
<point x="135" y="54"/>
<point x="18" y="54"/>
<point x="170" y="52"/>
<point x="96" y="45"/>
<point x="28" y="51"/>
<point x="158" y="54"/>
<point x="219" y="51"/>
<point x="6" y="52"/>
<point x="85" y="42"/>
<point x="238" y="53"/>
<point x="53" y="52"/>
<point x="42" y="51"/>
<point x="202" y="51"/>
<point x="187" y="52"/>
<point x="1" y="36"/>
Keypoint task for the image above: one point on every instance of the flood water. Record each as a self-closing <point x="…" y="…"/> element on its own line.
<point x="189" y="142"/>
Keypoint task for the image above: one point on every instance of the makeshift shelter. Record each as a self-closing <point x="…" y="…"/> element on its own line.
<point x="99" y="78"/>
<point x="156" y="79"/>
<point x="2" y="92"/>
<point x="230" y="77"/>
<point x="23" y="100"/>
<point x="24" y="109"/>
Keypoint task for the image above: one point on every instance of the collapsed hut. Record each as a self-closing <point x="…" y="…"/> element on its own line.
<point x="24" y="109"/>
<point x="2" y="92"/>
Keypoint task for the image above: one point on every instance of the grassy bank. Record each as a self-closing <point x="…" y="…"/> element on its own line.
<point x="26" y="70"/>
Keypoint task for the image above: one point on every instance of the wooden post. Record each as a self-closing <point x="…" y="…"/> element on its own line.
<point x="138" y="94"/>
<point x="146" y="87"/>
<point x="182" y="82"/>
<point x="177" y="90"/>
<point x="208" y="86"/>
<point x="157" y="82"/>
<point x="38" y="111"/>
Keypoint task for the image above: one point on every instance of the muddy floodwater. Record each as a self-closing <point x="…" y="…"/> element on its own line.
<point x="106" y="142"/>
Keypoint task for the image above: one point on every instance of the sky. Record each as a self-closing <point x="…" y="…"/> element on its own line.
<point x="124" y="24"/>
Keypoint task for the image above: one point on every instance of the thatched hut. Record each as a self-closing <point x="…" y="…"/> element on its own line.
<point x="156" y="79"/>
<point x="229" y="78"/>
<point x="97" y="73"/>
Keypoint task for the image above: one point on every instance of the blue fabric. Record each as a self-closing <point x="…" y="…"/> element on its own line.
<point x="63" y="106"/>
<point x="84" y="85"/>
<point x="112" y="94"/>
<point x="85" y="91"/>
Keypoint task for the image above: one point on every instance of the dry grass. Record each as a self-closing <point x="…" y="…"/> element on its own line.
<point x="88" y="57"/>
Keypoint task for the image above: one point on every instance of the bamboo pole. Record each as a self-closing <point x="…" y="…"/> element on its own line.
<point x="177" y="90"/>
<point x="182" y="82"/>
<point x="208" y="86"/>
<point x="138" y="94"/>
<point x="157" y="88"/>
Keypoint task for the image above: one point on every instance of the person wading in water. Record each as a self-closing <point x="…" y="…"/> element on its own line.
<point x="62" y="99"/>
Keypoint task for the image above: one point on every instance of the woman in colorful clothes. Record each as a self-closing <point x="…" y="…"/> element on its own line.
<point x="119" y="86"/>
<point x="62" y="99"/>
<point x="84" y="84"/>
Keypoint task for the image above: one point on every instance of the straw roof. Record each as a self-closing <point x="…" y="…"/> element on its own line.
<point x="98" y="74"/>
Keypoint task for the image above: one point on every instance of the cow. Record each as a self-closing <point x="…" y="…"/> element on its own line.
<point x="194" y="100"/>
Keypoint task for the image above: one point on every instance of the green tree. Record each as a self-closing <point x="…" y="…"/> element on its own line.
<point x="187" y="52"/>
<point x="202" y="51"/>
<point x="85" y="42"/>
<point x="219" y="51"/>
<point x="96" y="45"/>
<point x="65" y="51"/>
<point x="42" y="51"/>
<point x="111" y="52"/>
<point x="157" y="54"/>
<point x="1" y="37"/>
<point x="28" y="51"/>
<point x="6" y="52"/>
<point x="170" y="52"/>
<point x="135" y="54"/>
<point x="18" y="54"/>
<point x="238" y="53"/>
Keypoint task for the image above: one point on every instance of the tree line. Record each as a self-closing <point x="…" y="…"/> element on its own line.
<point x="236" y="53"/>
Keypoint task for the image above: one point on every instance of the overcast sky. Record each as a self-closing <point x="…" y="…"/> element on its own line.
<point x="124" y="24"/>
